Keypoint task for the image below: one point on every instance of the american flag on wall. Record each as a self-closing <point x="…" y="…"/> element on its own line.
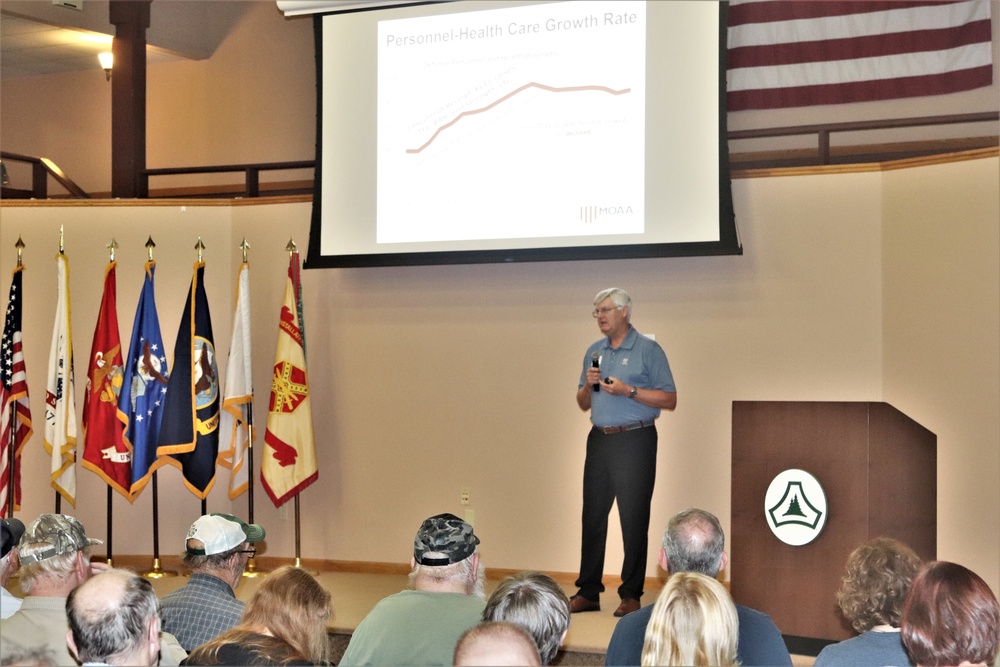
<point x="796" y="53"/>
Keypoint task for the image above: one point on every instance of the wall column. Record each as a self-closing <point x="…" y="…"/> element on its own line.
<point x="128" y="98"/>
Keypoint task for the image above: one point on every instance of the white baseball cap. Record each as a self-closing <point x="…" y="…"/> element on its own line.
<point x="220" y="533"/>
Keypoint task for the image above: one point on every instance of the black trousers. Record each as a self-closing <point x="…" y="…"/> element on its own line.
<point x="622" y="467"/>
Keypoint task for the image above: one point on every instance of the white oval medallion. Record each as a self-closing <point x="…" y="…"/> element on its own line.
<point x="795" y="507"/>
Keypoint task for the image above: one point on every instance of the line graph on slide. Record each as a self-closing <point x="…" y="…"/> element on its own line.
<point x="502" y="123"/>
<point x="533" y="84"/>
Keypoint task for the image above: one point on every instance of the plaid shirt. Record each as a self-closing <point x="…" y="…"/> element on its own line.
<point x="200" y="611"/>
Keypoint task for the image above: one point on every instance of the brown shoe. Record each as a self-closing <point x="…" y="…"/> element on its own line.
<point x="627" y="606"/>
<point x="578" y="603"/>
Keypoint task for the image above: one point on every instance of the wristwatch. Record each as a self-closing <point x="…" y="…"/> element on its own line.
<point x="634" y="392"/>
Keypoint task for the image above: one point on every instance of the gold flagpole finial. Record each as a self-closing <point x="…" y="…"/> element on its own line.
<point x="199" y="246"/>
<point x="62" y="240"/>
<point x="149" y="248"/>
<point x="291" y="247"/>
<point x="20" y="247"/>
<point x="112" y="247"/>
<point x="244" y="246"/>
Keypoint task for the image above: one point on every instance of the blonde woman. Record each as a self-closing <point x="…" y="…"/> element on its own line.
<point x="284" y="623"/>
<point x="693" y="623"/>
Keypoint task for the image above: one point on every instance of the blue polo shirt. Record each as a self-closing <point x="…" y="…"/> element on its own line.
<point x="638" y="362"/>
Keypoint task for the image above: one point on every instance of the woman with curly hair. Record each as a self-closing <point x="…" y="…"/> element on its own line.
<point x="284" y="623"/>
<point x="694" y="622"/>
<point x="871" y="597"/>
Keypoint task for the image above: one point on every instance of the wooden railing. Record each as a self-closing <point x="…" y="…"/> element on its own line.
<point x="41" y="169"/>
<point x="861" y="153"/>
<point x="251" y="179"/>
<point x="823" y="154"/>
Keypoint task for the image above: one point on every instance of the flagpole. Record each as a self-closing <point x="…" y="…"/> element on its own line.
<point x="298" y="539"/>
<point x="111" y="249"/>
<point x="157" y="572"/>
<point x="251" y="570"/>
<point x="292" y="248"/>
<point x="12" y="431"/>
<point x="11" y="460"/>
<point x="62" y="251"/>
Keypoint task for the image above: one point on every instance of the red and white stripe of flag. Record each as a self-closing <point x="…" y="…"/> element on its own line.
<point x="800" y="53"/>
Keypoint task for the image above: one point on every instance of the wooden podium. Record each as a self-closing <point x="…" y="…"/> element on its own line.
<point x="878" y="469"/>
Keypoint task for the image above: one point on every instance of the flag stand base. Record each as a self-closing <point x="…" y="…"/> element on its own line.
<point x="251" y="571"/>
<point x="157" y="572"/>
<point x="298" y="565"/>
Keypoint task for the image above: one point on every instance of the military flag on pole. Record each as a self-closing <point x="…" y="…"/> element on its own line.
<point x="104" y="450"/>
<point x="140" y="404"/>
<point x="237" y="407"/>
<point x="289" y="463"/>
<point x="13" y="398"/>
<point x="60" y="396"/>
<point x="189" y="431"/>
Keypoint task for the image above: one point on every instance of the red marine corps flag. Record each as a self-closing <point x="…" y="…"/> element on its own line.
<point x="104" y="450"/>
<point x="289" y="459"/>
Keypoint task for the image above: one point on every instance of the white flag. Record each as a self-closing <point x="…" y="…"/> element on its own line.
<point x="237" y="406"/>
<point x="60" y="396"/>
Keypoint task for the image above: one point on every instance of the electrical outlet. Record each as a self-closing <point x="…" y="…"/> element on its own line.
<point x="466" y="496"/>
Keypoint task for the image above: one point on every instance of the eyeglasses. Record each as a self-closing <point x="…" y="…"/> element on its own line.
<point x="252" y="551"/>
<point x="605" y="311"/>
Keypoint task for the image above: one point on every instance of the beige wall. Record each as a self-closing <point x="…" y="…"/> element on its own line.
<point x="941" y="271"/>
<point x="428" y="379"/>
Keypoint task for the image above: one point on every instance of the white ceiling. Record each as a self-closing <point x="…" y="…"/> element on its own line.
<point x="28" y="48"/>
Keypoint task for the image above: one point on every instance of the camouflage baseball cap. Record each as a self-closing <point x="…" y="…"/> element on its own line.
<point x="444" y="534"/>
<point x="52" y="535"/>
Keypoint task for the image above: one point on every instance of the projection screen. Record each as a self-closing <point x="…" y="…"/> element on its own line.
<point x="467" y="132"/>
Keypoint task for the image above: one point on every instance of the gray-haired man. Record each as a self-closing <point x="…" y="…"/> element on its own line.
<point x="113" y="620"/>
<point x="424" y="624"/>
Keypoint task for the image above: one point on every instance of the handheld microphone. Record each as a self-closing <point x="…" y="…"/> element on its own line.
<point x="595" y="362"/>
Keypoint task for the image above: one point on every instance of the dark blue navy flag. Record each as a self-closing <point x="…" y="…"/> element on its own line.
<point x="140" y="403"/>
<point x="189" y="432"/>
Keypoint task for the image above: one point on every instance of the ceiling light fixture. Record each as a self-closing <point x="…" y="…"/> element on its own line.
<point x="107" y="62"/>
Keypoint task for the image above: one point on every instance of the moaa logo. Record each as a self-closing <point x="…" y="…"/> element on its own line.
<point x="795" y="507"/>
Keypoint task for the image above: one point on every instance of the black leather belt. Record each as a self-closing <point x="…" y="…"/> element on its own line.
<point x="608" y="430"/>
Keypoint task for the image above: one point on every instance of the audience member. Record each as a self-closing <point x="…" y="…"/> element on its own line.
<point x="951" y="617"/>
<point x="496" y="644"/>
<point x="216" y="552"/>
<point x="535" y="602"/>
<point x="424" y="624"/>
<point x="879" y="573"/>
<point x="694" y="542"/>
<point x="284" y="624"/>
<point x="10" y="533"/>
<point x="694" y="622"/>
<point x="113" y="620"/>
<point x="54" y="553"/>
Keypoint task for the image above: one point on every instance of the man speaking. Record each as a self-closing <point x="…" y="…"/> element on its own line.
<point x="626" y="381"/>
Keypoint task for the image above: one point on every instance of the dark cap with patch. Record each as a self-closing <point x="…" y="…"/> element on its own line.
<point x="11" y="531"/>
<point x="450" y="539"/>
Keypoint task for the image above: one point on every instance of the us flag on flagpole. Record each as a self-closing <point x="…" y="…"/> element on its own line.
<point x="289" y="463"/>
<point x="13" y="398"/>
<point x="785" y="53"/>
